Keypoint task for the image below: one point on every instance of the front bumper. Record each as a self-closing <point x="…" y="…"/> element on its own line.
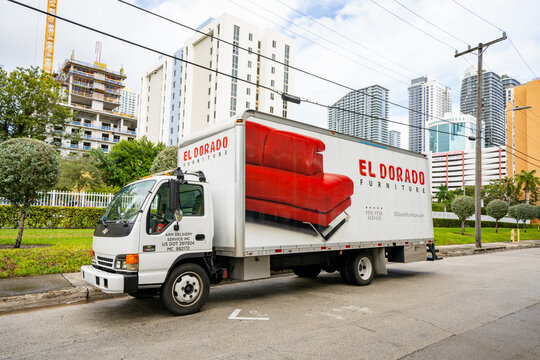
<point x="112" y="283"/>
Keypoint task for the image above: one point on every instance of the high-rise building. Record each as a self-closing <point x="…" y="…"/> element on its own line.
<point x="128" y="102"/>
<point x="427" y="99"/>
<point x="93" y="93"/>
<point x="523" y="127"/>
<point x="208" y="97"/>
<point x="160" y="100"/>
<point x="451" y="133"/>
<point x="395" y="138"/>
<point x="362" y="113"/>
<point x="492" y="104"/>
<point x="508" y="81"/>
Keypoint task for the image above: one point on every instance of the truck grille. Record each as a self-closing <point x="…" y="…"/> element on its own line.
<point x="105" y="261"/>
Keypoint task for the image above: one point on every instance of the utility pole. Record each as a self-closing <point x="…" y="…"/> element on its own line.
<point x="478" y="153"/>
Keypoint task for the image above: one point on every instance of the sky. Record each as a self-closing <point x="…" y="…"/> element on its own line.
<point x="353" y="43"/>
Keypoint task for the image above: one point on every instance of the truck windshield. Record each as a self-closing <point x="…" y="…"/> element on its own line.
<point x="127" y="202"/>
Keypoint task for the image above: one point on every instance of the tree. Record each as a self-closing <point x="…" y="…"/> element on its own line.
<point x="30" y="105"/>
<point x="27" y="167"/>
<point x="537" y="212"/>
<point x="528" y="181"/>
<point x="127" y="161"/>
<point x="513" y="215"/>
<point x="463" y="207"/>
<point x="509" y="190"/>
<point x="165" y="160"/>
<point x="497" y="209"/>
<point x="80" y="174"/>
<point x="524" y="212"/>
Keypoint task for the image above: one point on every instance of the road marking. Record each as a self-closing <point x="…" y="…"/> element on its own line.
<point x="234" y="316"/>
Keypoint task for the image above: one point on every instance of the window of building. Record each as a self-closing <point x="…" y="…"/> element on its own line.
<point x="273" y="43"/>
<point x="273" y="70"/>
<point x="271" y="96"/>
<point x="209" y="90"/>
<point x="272" y="83"/>
<point x="249" y="77"/>
<point x="250" y="36"/>
<point x="247" y="104"/>
<point x="271" y="109"/>
<point x="210" y="77"/>
<point x="273" y="56"/>
<point x="248" y="91"/>
<point x="249" y="63"/>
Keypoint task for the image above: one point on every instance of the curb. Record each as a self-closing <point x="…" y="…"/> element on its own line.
<point x="78" y="294"/>
<point x="497" y="248"/>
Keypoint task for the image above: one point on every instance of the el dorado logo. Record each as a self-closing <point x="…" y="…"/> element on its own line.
<point x="396" y="174"/>
<point x="205" y="149"/>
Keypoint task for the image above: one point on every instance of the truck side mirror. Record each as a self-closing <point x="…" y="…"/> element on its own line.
<point x="174" y="195"/>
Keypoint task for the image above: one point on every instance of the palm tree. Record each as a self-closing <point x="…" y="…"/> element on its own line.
<point x="528" y="181"/>
<point x="442" y="194"/>
<point x="509" y="189"/>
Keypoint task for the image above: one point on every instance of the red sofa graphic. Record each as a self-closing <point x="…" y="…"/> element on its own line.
<point x="285" y="178"/>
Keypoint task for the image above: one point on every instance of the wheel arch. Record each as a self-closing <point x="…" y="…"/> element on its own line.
<point x="199" y="258"/>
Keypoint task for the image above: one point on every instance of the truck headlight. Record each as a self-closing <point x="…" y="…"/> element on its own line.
<point x="93" y="256"/>
<point x="128" y="262"/>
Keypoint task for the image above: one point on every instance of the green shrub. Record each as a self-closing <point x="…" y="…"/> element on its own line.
<point x="456" y="223"/>
<point x="52" y="217"/>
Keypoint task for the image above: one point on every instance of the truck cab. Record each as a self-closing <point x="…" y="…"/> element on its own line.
<point x="151" y="227"/>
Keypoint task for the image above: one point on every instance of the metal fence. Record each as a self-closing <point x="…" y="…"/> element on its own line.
<point x="451" y="215"/>
<point x="73" y="199"/>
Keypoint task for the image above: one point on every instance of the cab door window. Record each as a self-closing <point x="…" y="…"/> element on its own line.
<point x="160" y="216"/>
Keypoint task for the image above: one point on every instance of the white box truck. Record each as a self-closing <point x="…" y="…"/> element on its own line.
<point x="259" y="194"/>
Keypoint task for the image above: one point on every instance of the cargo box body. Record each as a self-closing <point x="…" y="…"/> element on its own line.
<point x="283" y="187"/>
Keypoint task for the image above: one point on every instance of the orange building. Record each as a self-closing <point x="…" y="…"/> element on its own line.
<point x="523" y="131"/>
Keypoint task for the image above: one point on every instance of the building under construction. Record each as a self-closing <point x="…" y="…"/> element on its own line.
<point x="94" y="94"/>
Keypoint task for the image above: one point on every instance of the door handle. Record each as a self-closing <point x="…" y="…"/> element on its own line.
<point x="199" y="237"/>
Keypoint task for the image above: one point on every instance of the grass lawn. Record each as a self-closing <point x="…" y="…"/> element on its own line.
<point x="67" y="251"/>
<point x="452" y="236"/>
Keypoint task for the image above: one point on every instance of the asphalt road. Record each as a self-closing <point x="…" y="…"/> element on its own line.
<point x="472" y="307"/>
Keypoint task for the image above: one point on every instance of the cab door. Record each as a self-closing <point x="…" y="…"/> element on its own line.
<point x="163" y="239"/>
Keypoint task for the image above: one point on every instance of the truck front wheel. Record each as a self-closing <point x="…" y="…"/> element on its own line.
<point x="360" y="270"/>
<point x="185" y="290"/>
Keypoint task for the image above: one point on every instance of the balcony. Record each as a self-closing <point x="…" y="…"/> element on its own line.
<point x="86" y="136"/>
<point x="105" y="150"/>
<point x="73" y="146"/>
<point x="108" y="128"/>
<point x="75" y="122"/>
<point x="116" y="140"/>
<point x="87" y="148"/>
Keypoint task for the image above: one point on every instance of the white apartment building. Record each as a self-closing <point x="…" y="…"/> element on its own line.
<point x="395" y="138"/>
<point x="128" y="102"/>
<point x="455" y="169"/>
<point x="427" y="99"/>
<point x="209" y="97"/>
<point x="93" y="93"/>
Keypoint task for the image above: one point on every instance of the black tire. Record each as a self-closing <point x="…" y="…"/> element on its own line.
<point x="186" y="289"/>
<point x="309" y="271"/>
<point x="344" y="276"/>
<point x="344" y="270"/>
<point x="360" y="269"/>
<point x="144" y="293"/>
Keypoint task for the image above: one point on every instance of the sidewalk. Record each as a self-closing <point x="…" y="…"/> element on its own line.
<point x="57" y="289"/>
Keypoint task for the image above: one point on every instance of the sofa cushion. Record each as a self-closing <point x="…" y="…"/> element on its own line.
<point x="255" y="139"/>
<point x="320" y="192"/>
<point x="295" y="213"/>
<point x="293" y="152"/>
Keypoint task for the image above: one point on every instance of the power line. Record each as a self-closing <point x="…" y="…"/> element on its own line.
<point x="349" y="39"/>
<point x="429" y="22"/>
<point x="478" y="16"/>
<point x="313" y="42"/>
<point x="201" y="66"/>
<point x="522" y="58"/>
<point x="325" y="39"/>
<point x="498" y="28"/>
<point x="219" y="72"/>
<point x="291" y="67"/>
<point x="414" y="26"/>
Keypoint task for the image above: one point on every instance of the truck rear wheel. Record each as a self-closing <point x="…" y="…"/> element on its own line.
<point x="309" y="271"/>
<point x="360" y="269"/>
<point x="185" y="290"/>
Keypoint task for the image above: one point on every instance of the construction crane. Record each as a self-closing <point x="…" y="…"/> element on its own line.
<point x="50" y="29"/>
